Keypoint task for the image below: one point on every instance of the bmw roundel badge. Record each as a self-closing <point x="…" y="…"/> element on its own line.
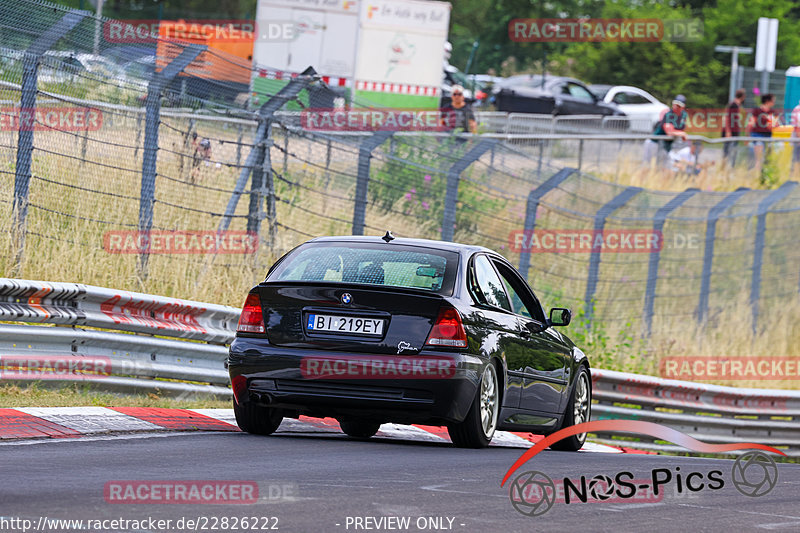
<point x="346" y="298"/>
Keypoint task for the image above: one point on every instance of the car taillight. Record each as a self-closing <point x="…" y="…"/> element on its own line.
<point x="252" y="319"/>
<point x="448" y="330"/>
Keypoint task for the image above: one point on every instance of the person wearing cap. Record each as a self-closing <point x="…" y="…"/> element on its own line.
<point x="458" y="116"/>
<point x="672" y="123"/>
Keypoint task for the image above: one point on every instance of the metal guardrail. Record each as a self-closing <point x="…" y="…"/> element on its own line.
<point x="141" y="360"/>
<point x="710" y="413"/>
<point x="533" y="124"/>
<point x="76" y="304"/>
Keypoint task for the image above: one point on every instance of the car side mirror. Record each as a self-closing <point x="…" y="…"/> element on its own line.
<point x="560" y="316"/>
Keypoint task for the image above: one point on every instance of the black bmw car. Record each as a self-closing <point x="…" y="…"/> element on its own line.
<point x="554" y="95"/>
<point x="371" y="330"/>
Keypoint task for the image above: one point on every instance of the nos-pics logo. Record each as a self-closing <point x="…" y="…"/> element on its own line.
<point x="533" y="493"/>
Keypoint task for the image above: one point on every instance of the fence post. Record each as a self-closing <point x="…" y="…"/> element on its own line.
<point x="139" y="117"/>
<point x="328" y="151"/>
<point x="255" y="159"/>
<point x="27" y="104"/>
<point x="362" y="179"/>
<point x="239" y="148"/>
<point x="594" y="260"/>
<point x="541" y="156"/>
<point x="263" y="187"/>
<point x="157" y="83"/>
<point x="708" y="254"/>
<point x="530" y="212"/>
<point x="285" y="150"/>
<point x="262" y="173"/>
<point x="184" y="149"/>
<point x="758" y="252"/>
<point x="453" y="177"/>
<point x="655" y="257"/>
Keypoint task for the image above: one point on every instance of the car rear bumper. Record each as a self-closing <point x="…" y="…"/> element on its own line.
<point x="429" y="387"/>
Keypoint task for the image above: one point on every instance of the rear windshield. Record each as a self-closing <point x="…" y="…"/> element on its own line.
<point x="391" y="265"/>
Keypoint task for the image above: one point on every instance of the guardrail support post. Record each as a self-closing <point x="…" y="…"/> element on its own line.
<point x="594" y="261"/>
<point x="362" y="179"/>
<point x="530" y="212"/>
<point x="655" y="257"/>
<point x="158" y="82"/>
<point x="708" y="254"/>
<point x="758" y="251"/>
<point x="27" y="107"/>
<point x="453" y="177"/>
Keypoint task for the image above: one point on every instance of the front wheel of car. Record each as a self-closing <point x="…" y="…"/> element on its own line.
<point x="257" y="419"/>
<point x="477" y="429"/>
<point x="359" y="429"/>
<point x="579" y="410"/>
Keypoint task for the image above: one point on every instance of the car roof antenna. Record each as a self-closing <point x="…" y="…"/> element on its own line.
<point x="388" y="237"/>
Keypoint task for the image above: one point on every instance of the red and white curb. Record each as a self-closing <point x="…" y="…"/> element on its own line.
<point x="75" y="422"/>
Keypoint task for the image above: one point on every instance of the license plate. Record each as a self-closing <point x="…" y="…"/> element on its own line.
<point x="345" y="324"/>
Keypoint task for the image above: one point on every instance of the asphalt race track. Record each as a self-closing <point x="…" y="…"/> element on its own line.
<point x="322" y="482"/>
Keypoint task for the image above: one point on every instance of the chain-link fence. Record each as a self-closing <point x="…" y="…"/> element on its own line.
<point x="164" y="179"/>
<point x="757" y="83"/>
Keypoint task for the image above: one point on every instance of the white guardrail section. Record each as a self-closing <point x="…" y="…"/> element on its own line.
<point x="710" y="413"/>
<point x="140" y="356"/>
<point x="179" y="346"/>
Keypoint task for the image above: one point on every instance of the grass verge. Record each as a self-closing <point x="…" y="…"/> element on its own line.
<point x="35" y="395"/>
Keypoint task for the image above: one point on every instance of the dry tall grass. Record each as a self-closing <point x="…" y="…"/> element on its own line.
<point x="75" y="202"/>
<point x="713" y="177"/>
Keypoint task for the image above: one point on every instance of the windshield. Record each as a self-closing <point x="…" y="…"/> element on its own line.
<point x="370" y="264"/>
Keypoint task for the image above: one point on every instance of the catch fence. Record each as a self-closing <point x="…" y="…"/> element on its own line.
<point x="112" y="182"/>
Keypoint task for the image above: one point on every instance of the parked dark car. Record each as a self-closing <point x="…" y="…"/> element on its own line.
<point x="550" y="95"/>
<point x="371" y="330"/>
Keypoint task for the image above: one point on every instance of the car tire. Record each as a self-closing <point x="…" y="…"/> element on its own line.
<point x="257" y="419"/>
<point x="477" y="429"/>
<point x="359" y="429"/>
<point x="579" y="410"/>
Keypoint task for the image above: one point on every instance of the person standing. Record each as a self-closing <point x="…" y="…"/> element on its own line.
<point x="760" y="124"/>
<point x="732" y="126"/>
<point x="202" y="153"/>
<point x="458" y="116"/>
